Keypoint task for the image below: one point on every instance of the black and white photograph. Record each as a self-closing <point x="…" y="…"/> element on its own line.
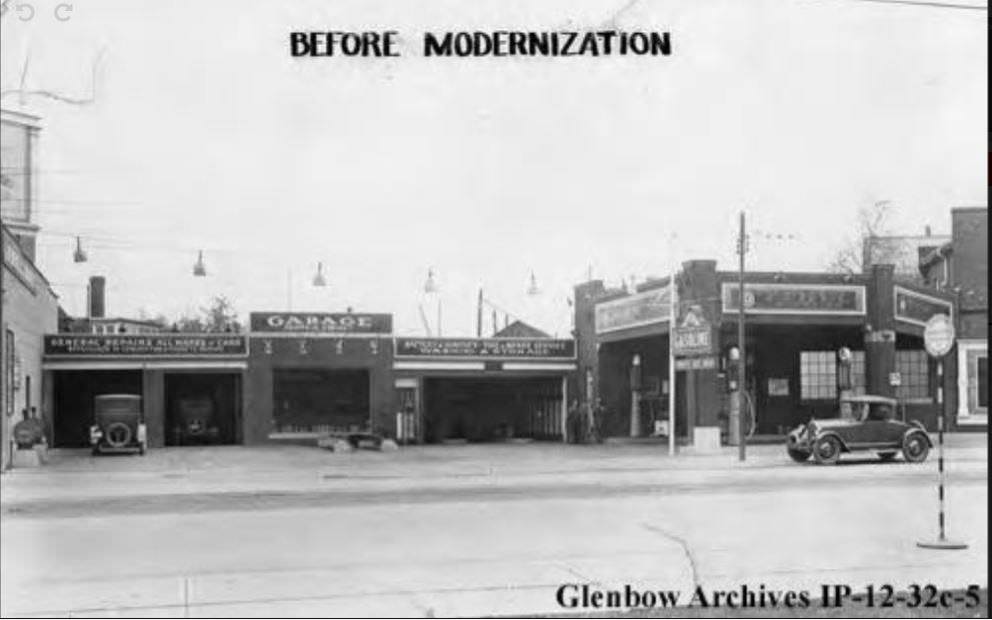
<point x="494" y="309"/>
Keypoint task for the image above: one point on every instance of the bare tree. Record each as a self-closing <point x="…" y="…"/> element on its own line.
<point x="219" y="316"/>
<point x="873" y="224"/>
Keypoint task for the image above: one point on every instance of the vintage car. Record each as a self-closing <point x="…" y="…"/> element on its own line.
<point x="118" y="424"/>
<point x="196" y="423"/>
<point x="865" y="423"/>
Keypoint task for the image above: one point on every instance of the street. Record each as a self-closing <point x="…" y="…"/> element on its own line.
<point x="469" y="530"/>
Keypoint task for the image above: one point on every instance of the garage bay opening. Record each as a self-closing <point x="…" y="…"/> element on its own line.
<point x="492" y="409"/>
<point x="202" y="408"/>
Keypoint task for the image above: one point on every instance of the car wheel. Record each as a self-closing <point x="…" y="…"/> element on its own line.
<point x="915" y="447"/>
<point x="887" y="456"/>
<point x="799" y="456"/>
<point x="827" y="450"/>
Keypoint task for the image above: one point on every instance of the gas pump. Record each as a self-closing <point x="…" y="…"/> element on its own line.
<point x="733" y="361"/>
<point x="734" y="413"/>
<point x="844" y="384"/>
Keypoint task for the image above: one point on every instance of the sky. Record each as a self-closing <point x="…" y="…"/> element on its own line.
<point x="205" y="134"/>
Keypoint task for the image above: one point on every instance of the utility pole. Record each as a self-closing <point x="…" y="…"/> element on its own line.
<point x="478" y="317"/>
<point x="742" y="366"/>
<point x="673" y="297"/>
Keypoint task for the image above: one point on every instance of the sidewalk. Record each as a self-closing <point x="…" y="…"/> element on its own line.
<point x="75" y="475"/>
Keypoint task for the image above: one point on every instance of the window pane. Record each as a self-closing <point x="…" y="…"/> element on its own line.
<point x="914" y="370"/>
<point x="818" y="375"/>
<point x="983" y="382"/>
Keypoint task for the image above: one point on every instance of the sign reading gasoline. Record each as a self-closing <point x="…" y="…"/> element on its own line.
<point x="938" y="335"/>
<point x="520" y="348"/>
<point x="321" y="322"/>
<point x="693" y="335"/>
<point x="146" y="345"/>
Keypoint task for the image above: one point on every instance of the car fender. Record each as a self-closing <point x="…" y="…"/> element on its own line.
<point x="822" y="434"/>
<point x="918" y="428"/>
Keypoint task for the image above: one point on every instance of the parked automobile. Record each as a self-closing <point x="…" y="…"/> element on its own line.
<point x="118" y="424"/>
<point x="866" y="423"/>
<point x="196" y="423"/>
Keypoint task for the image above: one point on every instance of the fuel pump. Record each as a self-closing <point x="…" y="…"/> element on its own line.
<point x="635" y="396"/>
<point x="734" y="412"/>
<point x="844" y="383"/>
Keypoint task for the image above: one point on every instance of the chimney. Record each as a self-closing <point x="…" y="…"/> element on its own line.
<point x="98" y="286"/>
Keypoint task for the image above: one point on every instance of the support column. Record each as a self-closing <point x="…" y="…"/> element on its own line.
<point x="880" y="334"/>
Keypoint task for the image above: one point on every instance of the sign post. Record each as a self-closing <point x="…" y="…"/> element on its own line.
<point x="938" y="339"/>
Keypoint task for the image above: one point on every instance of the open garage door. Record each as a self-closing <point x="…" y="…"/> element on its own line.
<point x="74" y="393"/>
<point x="492" y="409"/>
<point x="201" y="408"/>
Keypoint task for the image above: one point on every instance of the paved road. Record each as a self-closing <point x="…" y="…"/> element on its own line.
<point x="497" y="530"/>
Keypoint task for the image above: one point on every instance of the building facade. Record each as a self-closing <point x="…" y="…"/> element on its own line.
<point x="295" y="377"/>
<point x="959" y="267"/>
<point x="29" y="307"/>
<point x="796" y="323"/>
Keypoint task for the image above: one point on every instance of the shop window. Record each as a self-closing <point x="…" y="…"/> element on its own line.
<point x="983" y="382"/>
<point x="858" y="380"/>
<point x="818" y="375"/>
<point x="914" y="375"/>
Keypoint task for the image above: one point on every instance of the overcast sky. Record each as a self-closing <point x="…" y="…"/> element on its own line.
<point x="205" y="133"/>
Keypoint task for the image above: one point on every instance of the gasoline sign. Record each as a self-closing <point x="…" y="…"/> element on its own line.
<point x="938" y="335"/>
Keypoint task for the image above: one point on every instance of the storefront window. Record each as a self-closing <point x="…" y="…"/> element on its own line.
<point x="320" y="400"/>
<point x="858" y="372"/>
<point x="983" y="382"/>
<point x="818" y="375"/>
<point x="914" y="375"/>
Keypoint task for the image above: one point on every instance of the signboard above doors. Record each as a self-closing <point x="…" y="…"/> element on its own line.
<point x="639" y="309"/>
<point x="321" y="322"/>
<point x="146" y="345"/>
<point x="917" y="308"/>
<point x="500" y="348"/>
<point x="802" y="299"/>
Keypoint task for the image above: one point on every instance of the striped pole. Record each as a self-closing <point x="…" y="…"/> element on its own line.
<point x="941" y="542"/>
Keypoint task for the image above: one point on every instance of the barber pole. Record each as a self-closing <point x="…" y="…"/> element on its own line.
<point x="938" y="338"/>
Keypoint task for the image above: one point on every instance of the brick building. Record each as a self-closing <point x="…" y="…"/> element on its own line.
<point x="959" y="267"/>
<point x="796" y="323"/>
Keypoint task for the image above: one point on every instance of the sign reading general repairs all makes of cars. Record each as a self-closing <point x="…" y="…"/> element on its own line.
<point x="321" y="322"/>
<point x="528" y="348"/>
<point x="146" y="344"/>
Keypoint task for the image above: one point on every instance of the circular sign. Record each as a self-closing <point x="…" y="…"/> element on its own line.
<point x="938" y="335"/>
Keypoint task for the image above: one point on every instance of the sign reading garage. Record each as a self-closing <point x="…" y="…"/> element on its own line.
<point x="321" y="322"/>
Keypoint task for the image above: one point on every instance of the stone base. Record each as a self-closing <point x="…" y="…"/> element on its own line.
<point x="26" y="457"/>
<point x="706" y="440"/>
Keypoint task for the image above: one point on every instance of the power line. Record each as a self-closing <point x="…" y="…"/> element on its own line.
<point x="931" y="4"/>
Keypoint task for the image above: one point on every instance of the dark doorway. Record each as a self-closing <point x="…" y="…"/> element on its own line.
<point x="73" y="406"/>
<point x="320" y="400"/>
<point x="483" y="409"/>
<point x="201" y="409"/>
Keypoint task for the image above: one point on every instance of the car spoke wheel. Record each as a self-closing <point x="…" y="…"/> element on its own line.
<point x="827" y="450"/>
<point x="799" y="456"/>
<point x="915" y="447"/>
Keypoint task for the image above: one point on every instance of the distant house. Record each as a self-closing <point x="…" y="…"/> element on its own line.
<point x="519" y="329"/>
<point x="903" y="251"/>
